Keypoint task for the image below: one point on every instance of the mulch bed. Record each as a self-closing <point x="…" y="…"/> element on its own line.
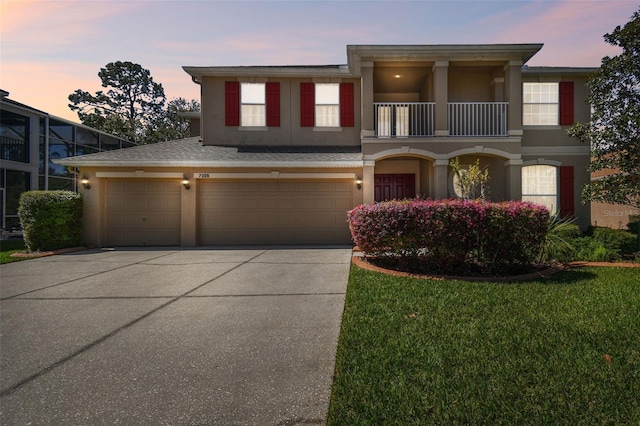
<point x="370" y="264"/>
<point x="47" y="253"/>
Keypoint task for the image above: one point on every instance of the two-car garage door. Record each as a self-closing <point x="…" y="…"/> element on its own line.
<point x="148" y="212"/>
<point x="274" y="212"/>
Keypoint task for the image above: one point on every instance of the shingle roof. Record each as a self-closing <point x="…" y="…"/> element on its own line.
<point x="191" y="152"/>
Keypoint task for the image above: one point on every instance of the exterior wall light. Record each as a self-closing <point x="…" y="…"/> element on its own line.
<point x="359" y="182"/>
<point x="185" y="182"/>
<point x="85" y="182"/>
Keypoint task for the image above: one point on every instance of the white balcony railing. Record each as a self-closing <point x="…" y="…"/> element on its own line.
<point x="403" y="119"/>
<point x="478" y="118"/>
<point x="416" y="119"/>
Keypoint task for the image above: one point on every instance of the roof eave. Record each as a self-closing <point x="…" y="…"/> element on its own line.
<point x="198" y="73"/>
<point x="454" y="52"/>
<point x="219" y="164"/>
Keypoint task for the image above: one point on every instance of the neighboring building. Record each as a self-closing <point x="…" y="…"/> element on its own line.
<point x="285" y="151"/>
<point x="615" y="216"/>
<point x="29" y="142"/>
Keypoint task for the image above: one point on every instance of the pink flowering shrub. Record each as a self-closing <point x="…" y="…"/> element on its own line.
<point x="451" y="235"/>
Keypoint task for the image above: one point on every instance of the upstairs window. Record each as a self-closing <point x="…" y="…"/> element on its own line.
<point x="328" y="105"/>
<point x="253" y="107"/>
<point x="547" y="104"/>
<point x="540" y="104"/>
<point x="252" y="104"/>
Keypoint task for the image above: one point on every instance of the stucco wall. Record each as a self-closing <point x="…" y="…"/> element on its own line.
<point x="288" y="133"/>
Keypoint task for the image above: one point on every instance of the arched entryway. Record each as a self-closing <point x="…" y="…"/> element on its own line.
<point x="402" y="177"/>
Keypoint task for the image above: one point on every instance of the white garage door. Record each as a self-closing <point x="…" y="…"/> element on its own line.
<point x="143" y="212"/>
<point x="274" y="212"/>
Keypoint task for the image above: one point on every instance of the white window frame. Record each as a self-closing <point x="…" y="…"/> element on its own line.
<point x="327" y="105"/>
<point x="541" y="195"/>
<point x="253" y="105"/>
<point x="540" y="103"/>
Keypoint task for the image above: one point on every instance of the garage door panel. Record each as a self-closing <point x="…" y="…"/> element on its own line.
<point x="280" y="212"/>
<point x="343" y="187"/>
<point x="143" y="212"/>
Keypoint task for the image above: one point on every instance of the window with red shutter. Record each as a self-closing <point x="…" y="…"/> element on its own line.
<point x="307" y="104"/>
<point x="232" y="103"/>
<point x="566" y="103"/>
<point x="273" y="103"/>
<point x="347" y="117"/>
<point x="566" y="191"/>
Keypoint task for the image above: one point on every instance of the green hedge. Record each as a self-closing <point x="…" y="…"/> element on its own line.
<point x="51" y="219"/>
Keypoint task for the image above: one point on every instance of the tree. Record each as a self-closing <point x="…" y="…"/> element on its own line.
<point x="614" y="129"/>
<point x="472" y="180"/>
<point x="169" y="125"/>
<point x="133" y="107"/>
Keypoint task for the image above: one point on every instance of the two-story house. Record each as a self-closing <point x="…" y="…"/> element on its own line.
<point x="284" y="151"/>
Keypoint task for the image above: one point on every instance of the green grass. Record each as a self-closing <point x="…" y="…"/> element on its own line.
<point x="8" y="247"/>
<point x="564" y="350"/>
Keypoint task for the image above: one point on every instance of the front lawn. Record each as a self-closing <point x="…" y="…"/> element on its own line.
<point x="561" y="350"/>
<point x="8" y="247"/>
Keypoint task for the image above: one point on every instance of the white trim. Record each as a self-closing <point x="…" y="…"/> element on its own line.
<point x="274" y="175"/>
<point x="542" y="161"/>
<point x="326" y="80"/>
<point x="140" y="174"/>
<point x="482" y="150"/>
<point x="541" y="126"/>
<point x="226" y="164"/>
<point x="253" y="128"/>
<point x="509" y="163"/>
<point x="401" y="150"/>
<point x="555" y="150"/>
<point x="327" y="129"/>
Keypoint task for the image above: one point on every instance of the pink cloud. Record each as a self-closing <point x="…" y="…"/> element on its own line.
<point x="572" y="31"/>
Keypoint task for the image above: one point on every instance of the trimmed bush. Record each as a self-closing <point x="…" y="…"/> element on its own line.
<point x="617" y="240"/>
<point x="451" y="235"/>
<point x="634" y="224"/>
<point x="50" y="219"/>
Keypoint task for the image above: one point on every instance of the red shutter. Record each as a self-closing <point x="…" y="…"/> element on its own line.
<point x="273" y="103"/>
<point x="232" y="103"/>
<point x="566" y="103"/>
<point x="566" y="191"/>
<point x="346" y="105"/>
<point x="307" y="104"/>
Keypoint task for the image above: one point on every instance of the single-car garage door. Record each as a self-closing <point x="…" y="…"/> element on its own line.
<point x="274" y="212"/>
<point x="142" y="212"/>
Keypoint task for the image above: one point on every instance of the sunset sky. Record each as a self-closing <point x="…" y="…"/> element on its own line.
<point x="48" y="49"/>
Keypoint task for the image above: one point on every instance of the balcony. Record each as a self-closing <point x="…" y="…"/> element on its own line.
<point x="417" y="119"/>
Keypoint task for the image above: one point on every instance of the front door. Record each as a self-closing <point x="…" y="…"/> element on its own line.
<point x="394" y="186"/>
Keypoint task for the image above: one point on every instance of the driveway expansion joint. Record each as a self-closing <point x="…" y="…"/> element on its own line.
<point x="12" y="388"/>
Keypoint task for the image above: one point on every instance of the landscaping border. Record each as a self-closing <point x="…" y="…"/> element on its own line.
<point x="48" y="253"/>
<point x="358" y="260"/>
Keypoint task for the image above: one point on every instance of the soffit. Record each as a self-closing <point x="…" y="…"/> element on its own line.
<point x="459" y="53"/>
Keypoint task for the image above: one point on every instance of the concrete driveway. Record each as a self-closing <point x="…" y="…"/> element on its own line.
<point x="171" y="336"/>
